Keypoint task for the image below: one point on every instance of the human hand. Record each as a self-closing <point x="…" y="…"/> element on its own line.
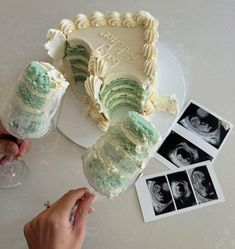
<point x="11" y="146"/>
<point x="52" y="229"/>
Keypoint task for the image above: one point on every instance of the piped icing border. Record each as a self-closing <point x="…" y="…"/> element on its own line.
<point x="56" y="42"/>
<point x="56" y="38"/>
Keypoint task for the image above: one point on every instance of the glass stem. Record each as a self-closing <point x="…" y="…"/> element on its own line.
<point x="8" y="169"/>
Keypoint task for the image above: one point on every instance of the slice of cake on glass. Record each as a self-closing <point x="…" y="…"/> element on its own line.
<point x="118" y="157"/>
<point x="110" y="61"/>
<point x="34" y="101"/>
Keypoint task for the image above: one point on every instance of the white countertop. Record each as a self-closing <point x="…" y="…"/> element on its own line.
<point x="201" y="35"/>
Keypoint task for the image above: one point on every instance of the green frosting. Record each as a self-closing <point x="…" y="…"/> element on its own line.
<point x="78" y="70"/>
<point x="141" y="128"/>
<point x="78" y="62"/>
<point x="35" y="81"/>
<point x="106" y="180"/>
<point x="29" y="98"/>
<point x="33" y="126"/>
<point x="122" y="92"/>
<point x="121" y="83"/>
<point x="32" y="120"/>
<point x="115" y="157"/>
<point x="78" y="50"/>
<point x="116" y="103"/>
<point x="113" y="163"/>
<point x="117" y="136"/>
<point x="36" y="76"/>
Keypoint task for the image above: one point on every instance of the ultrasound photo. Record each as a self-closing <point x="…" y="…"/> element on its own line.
<point x="204" y="124"/>
<point x="202" y="183"/>
<point x="181" y="152"/>
<point x="181" y="190"/>
<point x="160" y="194"/>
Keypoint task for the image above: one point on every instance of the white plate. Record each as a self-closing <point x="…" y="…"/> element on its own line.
<point x="81" y="129"/>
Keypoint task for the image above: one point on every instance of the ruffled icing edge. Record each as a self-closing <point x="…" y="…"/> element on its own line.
<point x="93" y="84"/>
<point x="56" y="38"/>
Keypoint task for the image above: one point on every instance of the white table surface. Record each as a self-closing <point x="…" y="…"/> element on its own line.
<point x="202" y="37"/>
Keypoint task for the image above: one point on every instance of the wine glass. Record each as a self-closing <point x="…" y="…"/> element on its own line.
<point x="22" y="121"/>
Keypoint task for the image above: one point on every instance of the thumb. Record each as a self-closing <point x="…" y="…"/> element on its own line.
<point x="83" y="209"/>
<point x="8" y="147"/>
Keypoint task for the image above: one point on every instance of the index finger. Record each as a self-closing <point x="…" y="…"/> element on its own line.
<point x="66" y="203"/>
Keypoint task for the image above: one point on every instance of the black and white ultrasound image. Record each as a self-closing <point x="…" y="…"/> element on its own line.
<point x="204" y="124"/>
<point x="181" y="152"/>
<point x="202" y="183"/>
<point x="181" y="190"/>
<point x="160" y="195"/>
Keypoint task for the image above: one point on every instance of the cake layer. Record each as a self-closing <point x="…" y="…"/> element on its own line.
<point x="35" y="101"/>
<point x="118" y="157"/>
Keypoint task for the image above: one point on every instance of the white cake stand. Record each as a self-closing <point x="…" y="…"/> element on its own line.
<point x="81" y="129"/>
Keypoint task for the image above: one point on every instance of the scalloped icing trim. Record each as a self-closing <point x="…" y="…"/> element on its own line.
<point x="98" y="19"/>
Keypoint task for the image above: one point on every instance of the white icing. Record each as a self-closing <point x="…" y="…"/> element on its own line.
<point x="149" y="50"/>
<point x="149" y="68"/>
<point x="98" y="19"/>
<point x="81" y="21"/>
<point x="167" y="104"/>
<point x="93" y="84"/>
<point x="150" y="35"/>
<point x="151" y="23"/>
<point x="67" y="26"/>
<point x="55" y="45"/>
<point x="121" y="51"/>
<point x="148" y="108"/>
<point x="97" y="65"/>
<point x="128" y="20"/>
<point x="114" y="19"/>
<point x="125" y="43"/>
<point x="141" y="17"/>
<point x="58" y="86"/>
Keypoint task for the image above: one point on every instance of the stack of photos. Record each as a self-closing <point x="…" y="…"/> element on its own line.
<point x="188" y="149"/>
<point x="197" y="136"/>
<point x="180" y="190"/>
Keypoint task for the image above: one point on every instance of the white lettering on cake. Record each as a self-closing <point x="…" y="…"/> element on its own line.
<point x="118" y="47"/>
<point x="104" y="50"/>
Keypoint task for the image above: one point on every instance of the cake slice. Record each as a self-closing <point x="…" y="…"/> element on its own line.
<point x="110" y="61"/>
<point x="118" y="157"/>
<point x="35" y="101"/>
